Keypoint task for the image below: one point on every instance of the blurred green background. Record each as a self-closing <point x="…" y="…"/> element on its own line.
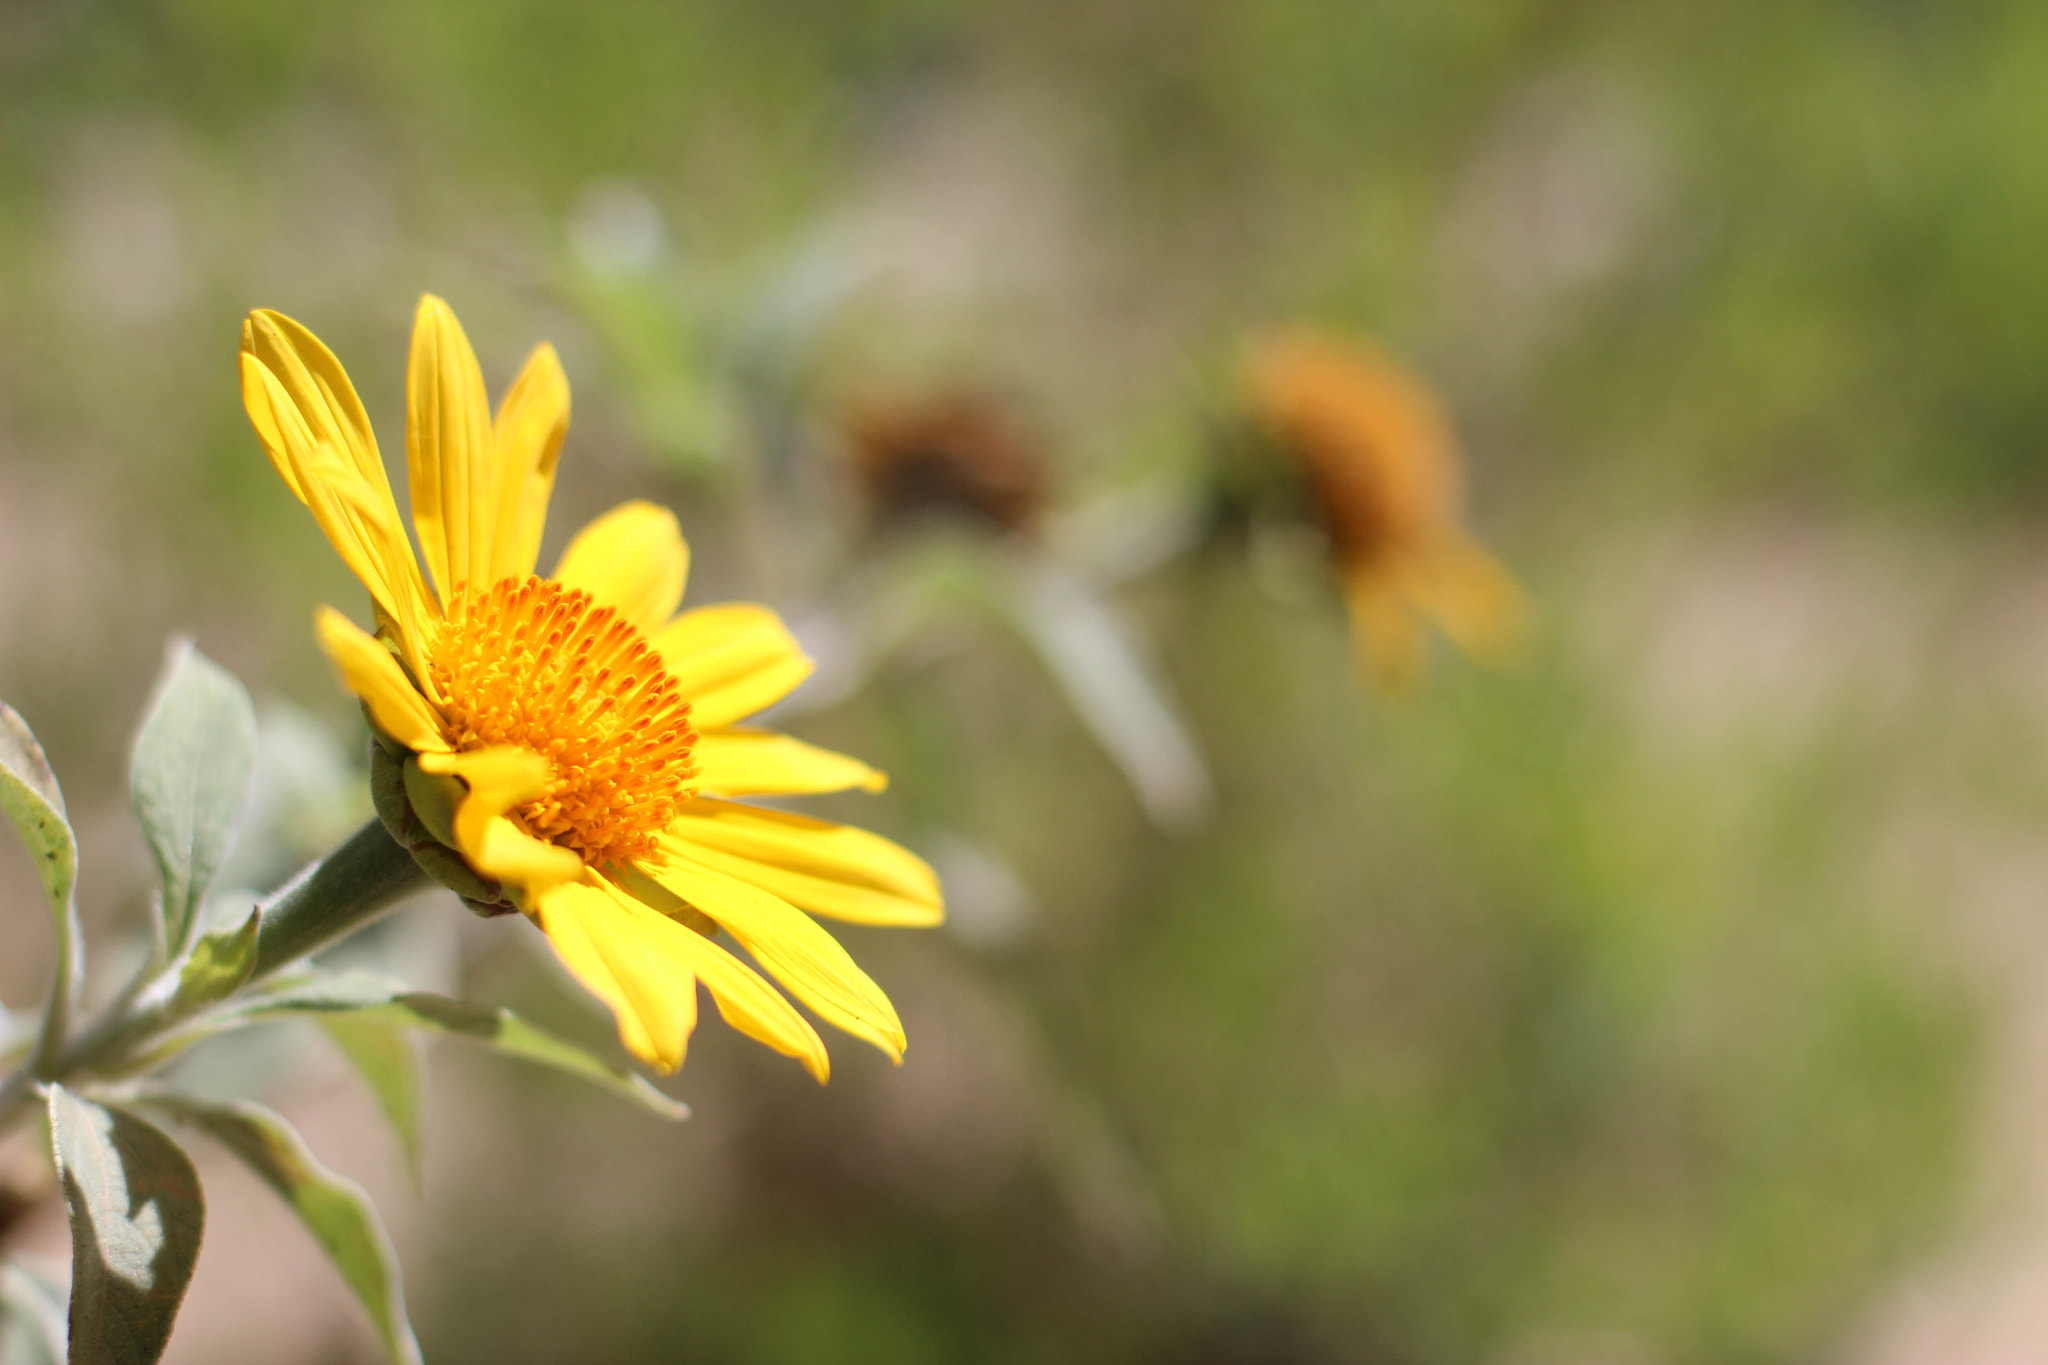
<point x="1672" y="998"/>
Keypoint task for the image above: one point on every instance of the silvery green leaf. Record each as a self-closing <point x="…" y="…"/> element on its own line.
<point x="189" y="778"/>
<point x="302" y="992"/>
<point x="31" y="1318"/>
<point x="29" y="794"/>
<point x="335" y="1210"/>
<point x="136" y="1220"/>
<point x="318" y="992"/>
<point x="387" y="1057"/>
<point x="372" y="997"/>
<point x="220" y="962"/>
<point x="503" y="1031"/>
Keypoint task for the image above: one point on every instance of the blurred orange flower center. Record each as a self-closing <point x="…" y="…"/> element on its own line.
<point x="542" y="667"/>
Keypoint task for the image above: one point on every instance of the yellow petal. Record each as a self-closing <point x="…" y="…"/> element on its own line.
<point x="370" y="672"/>
<point x="318" y="389"/>
<point x="739" y="762"/>
<point x="633" y="560"/>
<point x="625" y="963"/>
<point x="650" y="961"/>
<point x="827" y="869"/>
<point x="355" y="512"/>
<point x="502" y="850"/>
<point x="1384" y="630"/>
<point x="527" y="438"/>
<point x="449" y="451"/>
<point x="499" y="779"/>
<point x="731" y="661"/>
<point x="745" y="1001"/>
<point x="808" y="962"/>
<point x="1478" y="604"/>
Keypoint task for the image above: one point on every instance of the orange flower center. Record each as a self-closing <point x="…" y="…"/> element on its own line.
<point x="539" y="665"/>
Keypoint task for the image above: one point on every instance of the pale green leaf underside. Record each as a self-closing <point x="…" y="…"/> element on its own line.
<point x="335" y="1210"/>
<point x="136" y="1220"/>
<point x="371" y="997"/>
<point x="29" y="794"/>
<point x="189" y="777"/>
<point x="387" y="1057"/>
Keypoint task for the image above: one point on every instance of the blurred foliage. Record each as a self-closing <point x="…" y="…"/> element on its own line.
<point x="1584" y="1004"/>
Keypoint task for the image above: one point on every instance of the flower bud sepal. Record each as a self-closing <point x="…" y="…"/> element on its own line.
<point x="418" y="809"/>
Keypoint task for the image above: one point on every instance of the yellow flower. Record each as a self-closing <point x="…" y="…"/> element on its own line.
<point x="592" y="729"/>
<point x="1382" y="466"/>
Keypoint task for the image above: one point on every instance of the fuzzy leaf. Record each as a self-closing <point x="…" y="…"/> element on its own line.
<point x="189" y="778"/>
<point x="388" y="1059"/>
<point x="335" y="1210"/>
<point x="318" y="992"/>
<point x="220" y="963"/>
<point x="503" y="1031"/>
<point x="369" y="997"/>
<point x="136" y="1220"/>
<point x="29" y="794"/>
<point x="31" y="1317"/>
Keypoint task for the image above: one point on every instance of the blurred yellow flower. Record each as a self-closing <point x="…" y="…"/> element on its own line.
<point x="1379" y="459"/>
<point x="592" y="728"/>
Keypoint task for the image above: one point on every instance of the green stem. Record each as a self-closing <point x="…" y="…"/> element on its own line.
<point x="64" y="982"/>
<point x="336" y="896"/>
<point x="343" y="892"/>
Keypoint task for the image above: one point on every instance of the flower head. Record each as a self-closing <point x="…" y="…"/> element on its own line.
<point x="956" y="452"/>
<point x="1382" y="467"/>
<point x="585" y="735"/>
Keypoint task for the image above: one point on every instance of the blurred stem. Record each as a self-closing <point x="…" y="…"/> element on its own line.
<point x="343" y="892"/>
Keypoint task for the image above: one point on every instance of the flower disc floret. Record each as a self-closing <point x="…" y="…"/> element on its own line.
<point x="540" y="666"/>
